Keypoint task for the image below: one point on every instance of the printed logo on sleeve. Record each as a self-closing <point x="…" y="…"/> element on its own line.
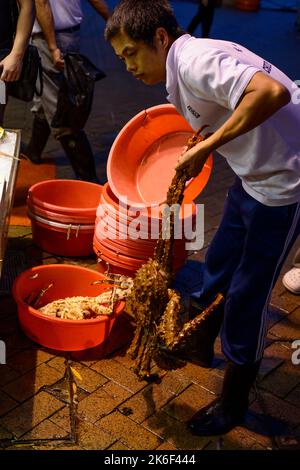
<point x="192" y="110"/>
<point x="267" y="66"/>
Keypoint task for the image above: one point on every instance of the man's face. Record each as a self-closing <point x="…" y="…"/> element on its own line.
<point x="146" y="63"/>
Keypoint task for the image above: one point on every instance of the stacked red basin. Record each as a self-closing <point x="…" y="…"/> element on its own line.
<point x="140" y="169"/>
<point x="125" y="237"/>
<point x="62" y="214"/>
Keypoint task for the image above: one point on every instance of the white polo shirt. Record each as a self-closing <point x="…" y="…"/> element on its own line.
<point x="66" y="14"/>
<point x="205" y="80"/>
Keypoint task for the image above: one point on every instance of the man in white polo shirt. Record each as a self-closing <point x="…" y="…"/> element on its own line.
<point x="57" y="31"/>
<point x="246" y="101"/>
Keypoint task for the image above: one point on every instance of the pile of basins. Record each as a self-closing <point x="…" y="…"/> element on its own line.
<point x="125" y="238"/>
<point x="62" y="214"/>
<point x="140" y="169"/>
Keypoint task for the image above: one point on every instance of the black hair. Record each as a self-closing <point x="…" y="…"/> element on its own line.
<point x="140" y="19"/>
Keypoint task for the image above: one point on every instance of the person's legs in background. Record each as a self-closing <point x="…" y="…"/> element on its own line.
<point x="74" y="142"/>
<point x="205" y="15"/>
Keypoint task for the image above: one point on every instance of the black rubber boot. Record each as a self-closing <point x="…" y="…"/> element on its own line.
<point x="229" y="410"/>
<point x="39" y="137"/>
<point x="199" y="347"/>
<point x="79" y="152"/>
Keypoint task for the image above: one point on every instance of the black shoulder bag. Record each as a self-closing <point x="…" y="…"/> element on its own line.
<point x="75" y="96"/>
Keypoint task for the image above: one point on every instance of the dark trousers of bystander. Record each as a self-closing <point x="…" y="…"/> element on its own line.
<point x="205" y="16"/>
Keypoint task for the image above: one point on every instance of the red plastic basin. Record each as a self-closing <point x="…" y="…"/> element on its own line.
<point x="142" y="158"/>
<point x="68" y="281"/>
<point x="68" y="197"/>
<point x="62" y="239"/>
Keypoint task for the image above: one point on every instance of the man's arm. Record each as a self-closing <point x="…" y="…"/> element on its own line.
<point x="101" y="8"/>
<point x="12" y="64"/>
<point x="45" y="20"/>
<point x="261" y="99"/>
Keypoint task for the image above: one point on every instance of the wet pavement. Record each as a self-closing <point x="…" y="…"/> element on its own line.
<point x="108" y="407"/>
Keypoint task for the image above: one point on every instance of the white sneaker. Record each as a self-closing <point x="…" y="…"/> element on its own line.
<point x="291" y="280"/>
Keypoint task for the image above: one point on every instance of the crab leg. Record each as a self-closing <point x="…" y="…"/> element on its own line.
<point x="192" y="325"/>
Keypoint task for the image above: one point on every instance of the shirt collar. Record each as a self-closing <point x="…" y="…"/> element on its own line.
<point x="172" y="62"/>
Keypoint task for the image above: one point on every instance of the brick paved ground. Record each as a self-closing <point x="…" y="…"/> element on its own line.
<point x="115" y="410"/>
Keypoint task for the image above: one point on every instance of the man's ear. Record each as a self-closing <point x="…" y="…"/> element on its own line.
<point x="162" y="37"/>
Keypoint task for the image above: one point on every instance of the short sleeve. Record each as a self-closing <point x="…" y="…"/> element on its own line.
<point x="215" y="75"/>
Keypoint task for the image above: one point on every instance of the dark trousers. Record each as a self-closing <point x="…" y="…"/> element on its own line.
<point x="243" y="262"/>
<point x="205" y="15"/>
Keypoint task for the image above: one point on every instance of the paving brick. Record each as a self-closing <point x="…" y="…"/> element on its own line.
<point x="29" y="414"/>
<point x="118" y="445"/>
<point x="89" y="363"/>
<point x="237" y="440"/>
<point x="256" y="434"/>
<point x="166" y="446"/>
<point x="289" y="327"/>
<point x="90" y="380"/>
<point x="175" y="381"/>
<point x="119" y="374"/>
<point x="29" y="383"/>
<point x="294" y="396"/>
<point x="61" y="391"/>
<point x="28" y="359"/>
<point x="282" y="380"/>
<point x="154" y="396"/>
<point x="6" y="403"/>
<point x="122" y="358"/>
<point x="214" y="205"/>
<point x="20" y="447"/>
<point x="102" y="402"/>
<point x="146" y="402"/>
<point x="58" y="363"/>
<point x="274" y="356"/>
<point x="207" y="378"/>
<point x="46" y="430"/>
<point x="7" y="374"/>
<point x="277" y="408"/>
<point x="286" y="301"/>
<point x="275" y="315"/>
<point x="124" y="429"/>
<point x="62" y="418"/>
<point x="188" y="402"/>
<point x="4" y="434"/>
<point x="120" y="335"/>
<point x="17" y="342"/>
<point x="92" y="437"/>
<point x="58" y="446"/>
<point x="174" y="432"/>
<point x="211" y="223"/>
